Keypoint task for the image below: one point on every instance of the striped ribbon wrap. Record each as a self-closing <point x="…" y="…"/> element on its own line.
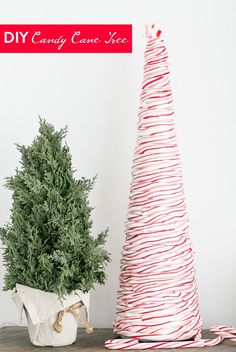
<point x="157" y="304"/>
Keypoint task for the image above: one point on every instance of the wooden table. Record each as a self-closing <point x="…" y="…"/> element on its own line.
<point x="15" y="339"/>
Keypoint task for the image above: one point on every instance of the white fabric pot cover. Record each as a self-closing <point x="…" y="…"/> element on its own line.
<point x="41" y="311"/>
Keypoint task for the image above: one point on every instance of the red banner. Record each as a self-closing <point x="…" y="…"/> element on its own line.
<point x="65" y="38"/>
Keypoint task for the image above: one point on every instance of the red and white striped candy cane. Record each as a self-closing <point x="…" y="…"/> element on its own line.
<point x="157" y="305"/>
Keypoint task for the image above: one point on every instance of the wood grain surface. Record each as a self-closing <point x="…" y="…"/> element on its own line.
<point x="16" y="339"/>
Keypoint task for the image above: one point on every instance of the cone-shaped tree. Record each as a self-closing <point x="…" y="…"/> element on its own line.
<point x="48" y="242"/>
<point x="157" y="297"/>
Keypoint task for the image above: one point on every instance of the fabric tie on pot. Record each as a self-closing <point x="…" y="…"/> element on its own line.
<point x="157" y="305"/>
<point x="51" y="322"/>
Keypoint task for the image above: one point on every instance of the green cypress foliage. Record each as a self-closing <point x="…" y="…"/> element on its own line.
<point x="48" y="243"/>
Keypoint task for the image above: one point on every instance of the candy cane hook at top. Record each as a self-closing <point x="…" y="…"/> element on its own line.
<point x="151" y="31"/>
<point x="157" y="304"/>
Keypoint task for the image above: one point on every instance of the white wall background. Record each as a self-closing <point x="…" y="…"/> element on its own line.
<point x="97" y="96"/>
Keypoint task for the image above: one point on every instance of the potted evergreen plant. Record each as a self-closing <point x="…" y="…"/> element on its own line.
<point x="52" y="260"/>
